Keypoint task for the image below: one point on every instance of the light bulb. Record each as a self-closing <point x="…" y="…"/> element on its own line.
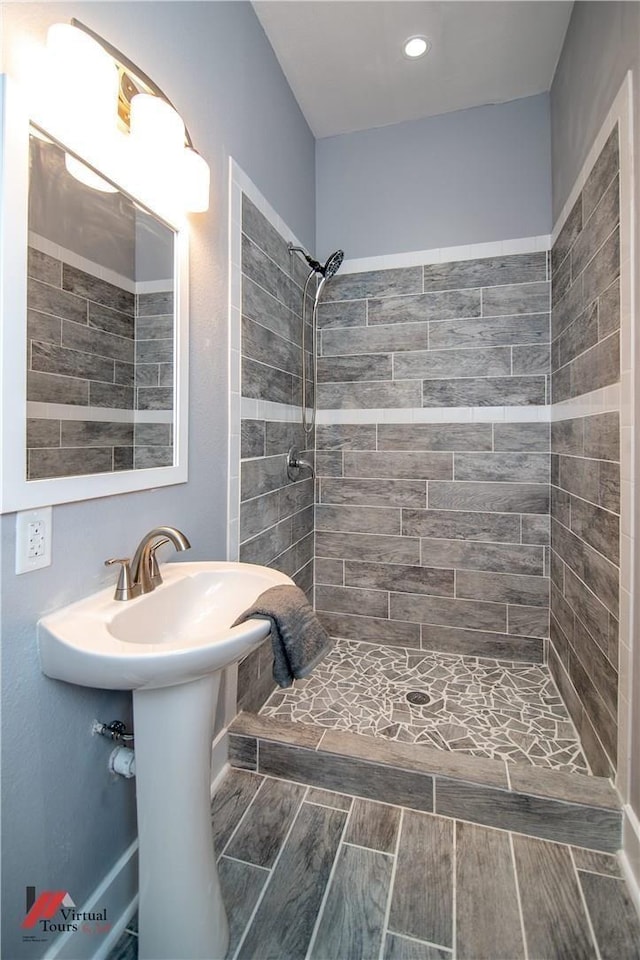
<point x="416" y="47"/>
<point x="155" y="125"/>
<point x="85" y="80"/>
<point x="157" y="148"/>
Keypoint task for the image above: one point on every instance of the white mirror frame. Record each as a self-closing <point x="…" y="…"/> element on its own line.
<point x="16" y="492"/>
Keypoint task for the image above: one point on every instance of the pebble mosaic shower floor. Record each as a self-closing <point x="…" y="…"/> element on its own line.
<point x="483" y="707"/>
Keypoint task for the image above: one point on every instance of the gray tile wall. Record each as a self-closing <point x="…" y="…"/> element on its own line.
<point x="467" y="333"/>
<point x="82" y="329"/>
<point x="154" y="375"/>
<point x="586" y="286"/>
<point x="585" y="474"/>
<point x="154" y="351"/>
<point x="92" y="343"/>
<point x="435" y="536"/>
<point x="272" y="285"/>
<point x="66" y="448"/>
<point x="276" y="515"/>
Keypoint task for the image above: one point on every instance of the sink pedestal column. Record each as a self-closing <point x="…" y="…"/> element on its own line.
<point x="181" y="913"/>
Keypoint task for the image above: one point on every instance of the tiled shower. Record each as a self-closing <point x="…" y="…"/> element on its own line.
<point x="462" y="493"/>
<point x="585" y="472"/>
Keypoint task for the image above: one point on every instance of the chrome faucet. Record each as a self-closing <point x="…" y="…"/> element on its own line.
<point x="142" y="574"/>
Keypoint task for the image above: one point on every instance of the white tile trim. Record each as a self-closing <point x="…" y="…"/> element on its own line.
<point x="475" y="251"/>
<point x="67" y="411"/>
<point x="154" y="286"/>
<point x="604" y="400"/>
<point x="520" y="414"/>
<point x="628" y="347"/>
<point x="234" y="361"/>
<point x="251" y="409"/>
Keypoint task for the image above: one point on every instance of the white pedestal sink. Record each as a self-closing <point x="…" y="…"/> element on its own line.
<point x="169" y="648"/>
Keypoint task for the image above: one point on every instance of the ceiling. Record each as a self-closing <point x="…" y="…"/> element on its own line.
<point x="344" y="62"/>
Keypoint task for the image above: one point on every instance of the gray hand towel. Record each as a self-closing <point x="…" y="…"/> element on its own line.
<point x="299" y="640"/>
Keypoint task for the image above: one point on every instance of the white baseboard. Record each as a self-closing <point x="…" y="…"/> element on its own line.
<point x="116" y="932"/>
<point x="117" y="893"/>
<point x="630" y="856"/>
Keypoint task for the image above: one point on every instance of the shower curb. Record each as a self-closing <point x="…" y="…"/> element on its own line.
<point x="553" y="805"/>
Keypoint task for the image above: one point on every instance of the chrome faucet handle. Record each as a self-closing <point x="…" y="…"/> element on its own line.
<point x="154" y="569"/>
<point x="125" y="589"/>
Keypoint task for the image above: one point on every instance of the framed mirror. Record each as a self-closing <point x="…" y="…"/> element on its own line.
<point x="94" y="329"/>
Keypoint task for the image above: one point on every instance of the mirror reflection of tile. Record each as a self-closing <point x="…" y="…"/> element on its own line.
<point x="100" y="309"/>
<point x="95" y="345"/>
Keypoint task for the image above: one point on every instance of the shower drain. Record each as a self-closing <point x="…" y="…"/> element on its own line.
<point x="418" y="697"/>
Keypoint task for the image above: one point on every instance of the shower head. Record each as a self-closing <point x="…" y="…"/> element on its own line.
<point x="333" y="264"/>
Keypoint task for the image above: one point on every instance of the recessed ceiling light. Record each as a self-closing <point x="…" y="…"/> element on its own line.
<point x="416" y="47"/>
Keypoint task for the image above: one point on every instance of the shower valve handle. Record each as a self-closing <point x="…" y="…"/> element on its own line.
<point x="296" y="463"/>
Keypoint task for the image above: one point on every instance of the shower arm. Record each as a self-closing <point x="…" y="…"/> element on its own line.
<point x="315" y="265"/>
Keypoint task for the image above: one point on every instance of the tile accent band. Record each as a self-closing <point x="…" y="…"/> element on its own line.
<point x="474" y="251"/>
<point x="604" y="400"/>
<point x="36" y="410"/>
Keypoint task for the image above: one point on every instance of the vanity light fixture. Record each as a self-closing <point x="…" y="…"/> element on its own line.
<point x="82" y="82"/>
<point x="106" y="110"/>
<point x="416" y="47"/>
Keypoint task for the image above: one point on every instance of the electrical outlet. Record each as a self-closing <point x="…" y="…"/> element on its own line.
<point x="33" y="539"/>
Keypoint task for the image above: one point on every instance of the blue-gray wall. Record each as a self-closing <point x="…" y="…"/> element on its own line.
<point x="466" y="177"/>
<point x="65" y="822"/>
<point x="601" y="44"/>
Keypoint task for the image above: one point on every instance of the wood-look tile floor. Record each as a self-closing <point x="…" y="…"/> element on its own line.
<point x="308" y="873"/>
